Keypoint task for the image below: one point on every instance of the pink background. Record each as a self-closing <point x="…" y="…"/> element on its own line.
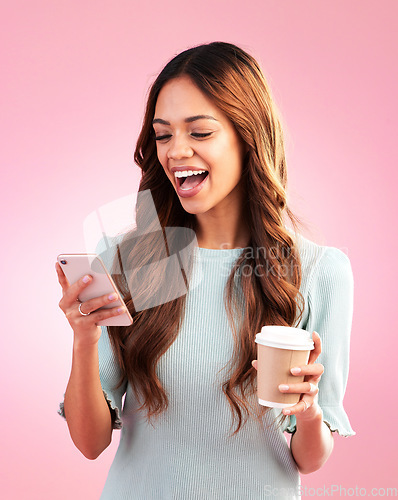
<point x="73" y="84"/>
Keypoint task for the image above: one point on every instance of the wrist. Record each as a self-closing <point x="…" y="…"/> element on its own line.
<point x="84" y="347"/>
<point x="312" y="416"/>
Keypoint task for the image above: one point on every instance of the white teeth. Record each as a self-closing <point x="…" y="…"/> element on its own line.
<point x="188" y="173"/>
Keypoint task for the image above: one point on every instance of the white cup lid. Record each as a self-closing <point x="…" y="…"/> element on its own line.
<point x="285" y="337"/>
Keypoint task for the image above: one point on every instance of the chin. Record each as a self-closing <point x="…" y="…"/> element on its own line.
<point x="194" y="208"/>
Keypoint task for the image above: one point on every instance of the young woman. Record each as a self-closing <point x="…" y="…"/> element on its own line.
<point x="212" y="158"/>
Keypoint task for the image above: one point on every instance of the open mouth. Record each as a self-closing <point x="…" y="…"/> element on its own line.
<point x="190" y="179"/>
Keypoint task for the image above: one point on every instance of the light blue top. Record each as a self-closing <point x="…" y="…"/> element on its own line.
<point x="187" y="452"/>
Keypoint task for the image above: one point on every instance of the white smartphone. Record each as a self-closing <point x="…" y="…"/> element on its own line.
<point x="77" y="265"/>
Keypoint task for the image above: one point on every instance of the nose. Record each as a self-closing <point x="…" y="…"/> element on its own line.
<point x="179" y="148"/>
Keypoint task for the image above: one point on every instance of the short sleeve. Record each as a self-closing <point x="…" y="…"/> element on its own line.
<point x="330" y="305"/>
<point x="109" y="375"/>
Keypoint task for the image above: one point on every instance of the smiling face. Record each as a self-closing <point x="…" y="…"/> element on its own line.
<point x="198" y="148"/>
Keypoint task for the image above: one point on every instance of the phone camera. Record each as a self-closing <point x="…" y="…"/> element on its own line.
<point x="63" y="262"/>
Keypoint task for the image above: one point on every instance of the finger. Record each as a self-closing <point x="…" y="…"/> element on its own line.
<point x="254" y="363"/>
<point x="93" y="304"/>
<point x="300" y="407"/>
<point x="72" y="292"/>
<point x="61" y="277"/>
<point x="86" y="311"/>
<point x="102" y="314"/>
<point x="302" y="388"/>
<point x="314" y="354"/>
<point x="80" y="311"/>
<point x="315" y="369"/>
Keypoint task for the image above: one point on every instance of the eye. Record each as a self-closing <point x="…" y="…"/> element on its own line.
<point x="201" y="135"/>
<point x="162" y="137"/>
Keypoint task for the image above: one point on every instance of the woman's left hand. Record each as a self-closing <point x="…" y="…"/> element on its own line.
<point x="307" y="408"/>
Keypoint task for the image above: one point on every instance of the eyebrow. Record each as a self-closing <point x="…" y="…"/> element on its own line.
<point x="190" y="119"/>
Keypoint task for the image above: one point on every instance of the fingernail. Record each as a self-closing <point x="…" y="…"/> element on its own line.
<point x="287" y="412"/>
<point x="284" y="387"/>
<point x="121" y="309"/>
<point x="112" y="296"/>
<point x="86" y="279"/>
<point x="296" y="370"/>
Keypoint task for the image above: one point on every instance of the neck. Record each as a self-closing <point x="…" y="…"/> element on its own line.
<point x="224" y="228"/>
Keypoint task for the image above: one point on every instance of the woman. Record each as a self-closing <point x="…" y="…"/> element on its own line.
<point x="211" y="154"/>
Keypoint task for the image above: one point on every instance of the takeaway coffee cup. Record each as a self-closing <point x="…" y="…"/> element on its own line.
<point x="280" y="348"/>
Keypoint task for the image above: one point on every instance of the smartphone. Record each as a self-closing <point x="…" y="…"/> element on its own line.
<point x="77" y="265"/>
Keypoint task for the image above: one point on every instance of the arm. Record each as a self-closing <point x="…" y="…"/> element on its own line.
<point x="330" y="313"/>
<point x="312" y="443"/>
<point x="86" y="410"/>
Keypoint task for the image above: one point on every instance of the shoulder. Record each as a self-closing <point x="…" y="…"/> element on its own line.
<point x="321" y="262"/>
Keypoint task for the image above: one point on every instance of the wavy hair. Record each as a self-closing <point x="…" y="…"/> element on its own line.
<point x="233" y="80"/>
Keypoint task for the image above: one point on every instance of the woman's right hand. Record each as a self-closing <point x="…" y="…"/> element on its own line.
<point x="85" y="328"/>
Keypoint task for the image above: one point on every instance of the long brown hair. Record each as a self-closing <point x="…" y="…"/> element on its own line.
<point x="233" y="80"/>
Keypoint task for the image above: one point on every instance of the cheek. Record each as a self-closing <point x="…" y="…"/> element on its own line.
<point x="159" y="153"/>
<point x="230" y="161"/>
<point x="161" y="157"/>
